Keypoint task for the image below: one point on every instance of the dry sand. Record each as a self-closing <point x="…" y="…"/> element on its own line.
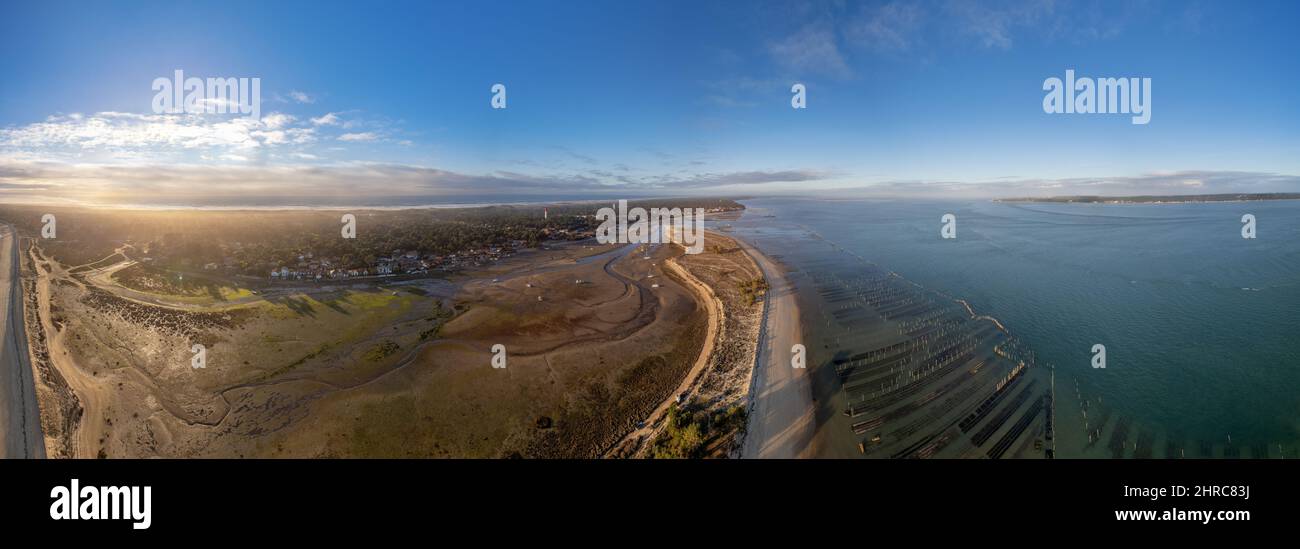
<point x="781" y="419"/>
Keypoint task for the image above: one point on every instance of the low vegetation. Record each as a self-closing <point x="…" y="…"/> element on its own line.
<point x="439" y="317"/>
<point x="696" y="434"/>
<point x="752" y="289"/>
<point x="382" y="350"/>
<point x="144" y="278"/>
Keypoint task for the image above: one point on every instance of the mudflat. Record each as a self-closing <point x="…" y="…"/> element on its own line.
<point x="594" y="338"/>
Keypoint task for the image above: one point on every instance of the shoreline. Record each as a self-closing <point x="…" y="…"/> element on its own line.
<point x="781" y="420"/>
<point x="831" y="435"/>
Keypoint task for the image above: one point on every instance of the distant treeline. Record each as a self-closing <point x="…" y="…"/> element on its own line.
<point x="255" y="241"/>
<point x="1159" y="198"/>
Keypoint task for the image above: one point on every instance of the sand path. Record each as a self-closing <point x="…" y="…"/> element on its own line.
<point x="642" y="436"/>
<point x="92" y="393"/>
<point x="20" y="416"/>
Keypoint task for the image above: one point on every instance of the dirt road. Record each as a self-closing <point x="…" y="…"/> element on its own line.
<point x="781" y="420"/>
<point x="20" y="416"/>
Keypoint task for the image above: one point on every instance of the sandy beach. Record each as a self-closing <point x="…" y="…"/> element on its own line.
<point x="781" y="418"/>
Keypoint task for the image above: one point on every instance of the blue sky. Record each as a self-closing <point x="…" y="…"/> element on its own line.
<point x="386" y="99"/>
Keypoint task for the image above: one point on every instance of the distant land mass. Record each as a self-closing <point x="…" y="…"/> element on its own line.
<point x="1159" y="199"/>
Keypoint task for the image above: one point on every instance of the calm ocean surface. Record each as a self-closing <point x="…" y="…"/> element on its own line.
<point x="1201" y="326"/>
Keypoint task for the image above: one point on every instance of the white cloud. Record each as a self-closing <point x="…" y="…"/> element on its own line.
<point x="301" y="97"/>
<point x="360" y="136"/>
<point x="123" y="133"/>
<point x="277" y="120"/>
<point x="295" y="136"/>
<point x="329" y="119"/>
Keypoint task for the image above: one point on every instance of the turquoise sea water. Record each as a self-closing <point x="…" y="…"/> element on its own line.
<point x="1201" y="326"/>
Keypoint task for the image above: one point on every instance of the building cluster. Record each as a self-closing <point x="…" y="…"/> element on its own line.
<point x="409" y="262"/>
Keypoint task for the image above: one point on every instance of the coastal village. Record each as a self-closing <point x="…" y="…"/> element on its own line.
<point x="306" y="265"/>
<point x="408" y="262"/>
<point x="299" y="262"/>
